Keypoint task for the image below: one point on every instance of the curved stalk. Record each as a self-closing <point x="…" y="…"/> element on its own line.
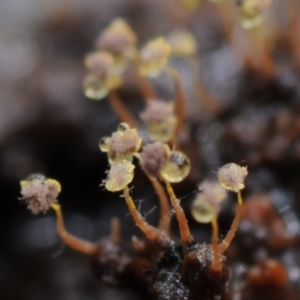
<point x="164" y="221"/>
<point x="70" y="240"/>
<point x="231" y="233"/>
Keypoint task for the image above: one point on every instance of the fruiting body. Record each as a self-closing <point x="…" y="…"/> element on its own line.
<point x="161" y="121"/>
<point x="206" y="205"/>
<point x="231" y="177"/>
<point x="154" y="57"/>
<point x="119" y="176"/>
<point x="39" y="192"/>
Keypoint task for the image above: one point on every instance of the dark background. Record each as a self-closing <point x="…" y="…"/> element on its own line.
<point x="47" y="125"/>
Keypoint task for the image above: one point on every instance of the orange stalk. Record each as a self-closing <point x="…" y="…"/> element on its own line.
<point x="122" y="112"/>
<point x="70" y="240"/>
<point x="216" y="265"/>
<point x="144" y="84"/>
<point x="115" y="231"/>
<point x="180" y="101"/>
<point x="227" y="17"/>
<point x="146" y="88"/>
<point x="294" y="29"/>
<point x="207" y="101"/>
<point x="150" y="232"/>
<point x="184" y="229"/>
<point x="259" y="53"/>
<point x="231" y="233"/>
<point x="164" y="222"/>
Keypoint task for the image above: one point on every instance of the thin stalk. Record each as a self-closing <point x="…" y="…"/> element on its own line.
<point x="294" y="30"/>
<point x="115" y="231"/>
<point x="259" y="54"/>
<point x="122" y="112"/>
<point x="216" y="265"/>
<point x="207" y="101"/>
<point x="150" y="232"/>
<point x="144" y="84"/>
<point x="164" y="220"/>
<point x="227" y="17"/>
<point x="239" y="196"/>
<point x="231" y="233"/>
<point x="146" y="88"/>
<point x="184" y="229"/>
<point x="70" y="240"/>
<point x="180" y="101"/>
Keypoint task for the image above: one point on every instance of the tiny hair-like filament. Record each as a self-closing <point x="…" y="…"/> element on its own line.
<point x="150" y="232"/>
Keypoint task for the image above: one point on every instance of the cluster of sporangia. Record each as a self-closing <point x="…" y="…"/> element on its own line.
<point x="175" y="270"/>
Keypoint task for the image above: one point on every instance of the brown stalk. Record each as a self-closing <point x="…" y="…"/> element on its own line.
<point x="294" y="30"/>
<point x="115" y="232"/>
<point x="164" y="221"/>
<point x="70" y="240"/>
<point x="144" y="84"/>
<point x="180" y="101"/>
<point x="122" y="112"/>
<point x="216" y="265"/>
<point x="150" y="232"/>
<point x="184" y="229"/>
<point x="231" y="233"/>
<point x="259" y="52"/>
<point x="227" y="17"/>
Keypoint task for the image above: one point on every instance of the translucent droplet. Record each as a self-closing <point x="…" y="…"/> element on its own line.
<point x="94" y="88"/>
<point x="36" y="176"/>
<point x="176" y="168"/>
<point x="55" y="185"/>
<point x="161" y="131"/>
<point x="123" y="127"/>
<point x="204" y="211"/>
<point x="104" y="144"/>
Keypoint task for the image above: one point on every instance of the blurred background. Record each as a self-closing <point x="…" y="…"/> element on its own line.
<point x="47" y="125"/>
